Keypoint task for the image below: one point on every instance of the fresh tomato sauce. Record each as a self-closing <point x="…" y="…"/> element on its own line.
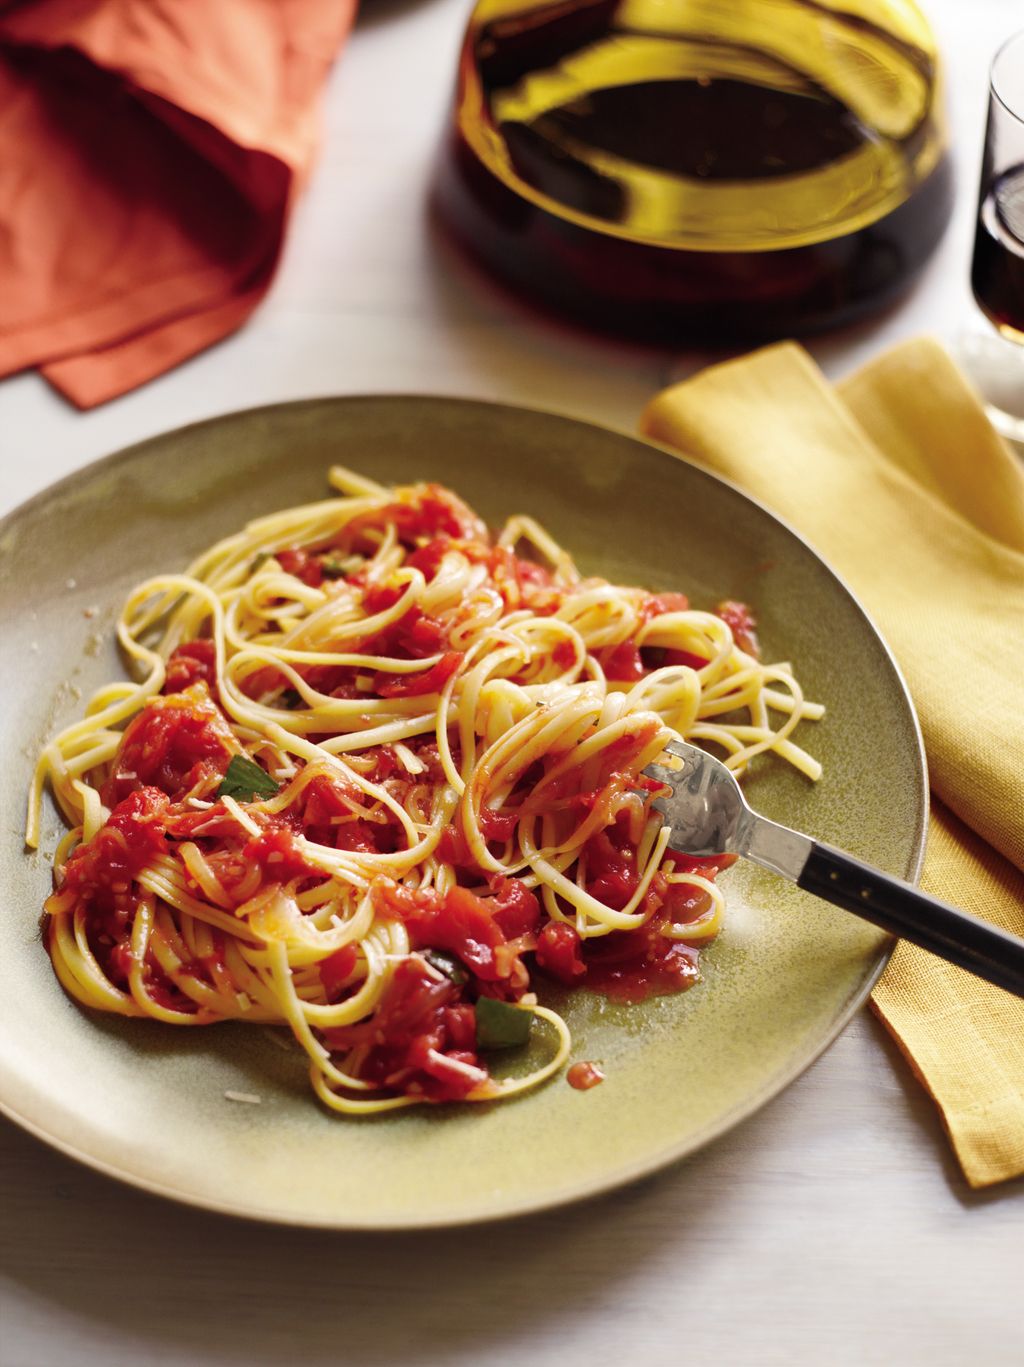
<point x="421" y="1038"/>
<point x="584" y="1075"/>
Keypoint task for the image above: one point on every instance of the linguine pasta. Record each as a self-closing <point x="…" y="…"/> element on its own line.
<point x="378" y="769"/>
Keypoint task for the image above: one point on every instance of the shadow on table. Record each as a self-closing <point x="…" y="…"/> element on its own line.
<point x="926" y="1115"/>
<point x="462" y="285"/>
<point x="374" y="12"/>
<point x="462" y="288"/>
<point x="193" y="1286"/>
<point x="165" y="1284"/>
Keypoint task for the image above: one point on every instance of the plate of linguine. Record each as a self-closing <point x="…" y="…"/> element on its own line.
<point x="342" y="901"/>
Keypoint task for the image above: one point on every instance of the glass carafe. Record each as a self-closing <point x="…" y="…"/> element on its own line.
<point x="689" y="170"/>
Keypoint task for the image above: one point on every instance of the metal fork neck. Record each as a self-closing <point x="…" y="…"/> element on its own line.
<point x="775" y="847"/>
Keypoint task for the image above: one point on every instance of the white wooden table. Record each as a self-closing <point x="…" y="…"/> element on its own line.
<point x="834" y="1227"/>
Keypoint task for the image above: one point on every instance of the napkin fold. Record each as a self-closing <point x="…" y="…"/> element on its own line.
<point x="900" y="482"/>
<point x="150" y="153"/>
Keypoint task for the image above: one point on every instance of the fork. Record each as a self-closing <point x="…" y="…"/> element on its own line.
<point x="707" y="814"/>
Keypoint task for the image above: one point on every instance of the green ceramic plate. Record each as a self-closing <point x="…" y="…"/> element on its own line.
<point x="146" y="1103"/>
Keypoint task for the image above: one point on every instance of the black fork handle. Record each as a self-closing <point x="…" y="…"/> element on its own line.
<point x="981" y="948"/>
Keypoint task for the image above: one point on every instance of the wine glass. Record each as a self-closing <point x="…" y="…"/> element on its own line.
<point x="994" y="357"/>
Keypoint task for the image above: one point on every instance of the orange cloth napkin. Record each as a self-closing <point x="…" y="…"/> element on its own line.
<point x="150" y="151"/>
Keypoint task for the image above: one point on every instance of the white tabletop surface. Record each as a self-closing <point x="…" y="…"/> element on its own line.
<point x="832" y="1228"/>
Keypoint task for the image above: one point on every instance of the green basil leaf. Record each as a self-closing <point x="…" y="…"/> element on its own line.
<point x="331" y="568"/>
<point x="290" y="698"/>
<point x="245" y="780"/>
<point x="447" y="964"/>
<point x="501" y="1026"/>
<point x="258" y="561"/>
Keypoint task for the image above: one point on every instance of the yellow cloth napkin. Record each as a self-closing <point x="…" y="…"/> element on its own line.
<point x="903" y="486"/>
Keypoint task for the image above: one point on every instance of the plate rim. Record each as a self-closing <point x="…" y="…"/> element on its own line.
<point x="668" y="1155"/>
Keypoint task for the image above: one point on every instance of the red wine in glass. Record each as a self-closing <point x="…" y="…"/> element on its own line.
<point x="994" y="356"/>
<point x="997" y="274"/>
